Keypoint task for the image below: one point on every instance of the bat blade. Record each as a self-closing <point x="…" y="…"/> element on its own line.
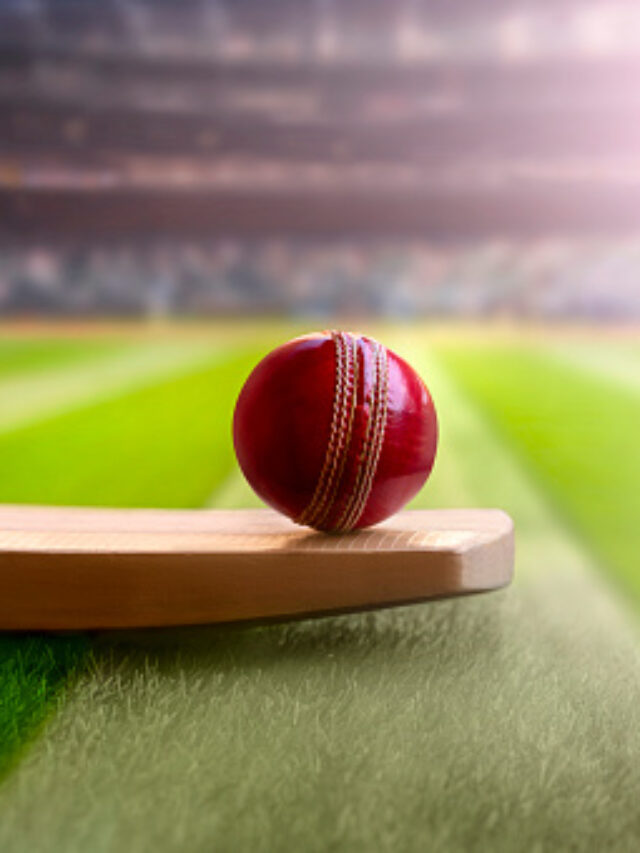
<point x="76" y="568"/>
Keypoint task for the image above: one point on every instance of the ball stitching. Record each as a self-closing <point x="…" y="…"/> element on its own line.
<point x="372" y="444"/>
<point x="342" y="418"/>
<point x="342" y="451"/>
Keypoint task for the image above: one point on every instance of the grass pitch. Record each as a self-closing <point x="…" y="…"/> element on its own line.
<point x="139" y="448"/>
<point x="26" y="355"/>
<point x="165" y="444"/>
<point x="575" y="429"/>
<point x="505" y="722"/>
<point x="33" y="674"/>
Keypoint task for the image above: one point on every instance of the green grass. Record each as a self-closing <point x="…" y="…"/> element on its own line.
<point x="164" y="445"/>
<point x="504" y="722"/>
<point x="167" y="444"/>
<point x="33" y="672"/>
<point x="23" y="355"/>
<point x="42" y="393"/>
<point x="577" y="433"/>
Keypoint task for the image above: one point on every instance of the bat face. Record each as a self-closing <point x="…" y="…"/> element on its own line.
<point x="70" y="569"/>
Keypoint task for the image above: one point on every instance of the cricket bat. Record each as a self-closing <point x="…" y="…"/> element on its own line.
<point x="65" y="568"/>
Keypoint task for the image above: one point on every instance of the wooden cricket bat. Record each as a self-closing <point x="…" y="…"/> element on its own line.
<point x="74" y="569"/>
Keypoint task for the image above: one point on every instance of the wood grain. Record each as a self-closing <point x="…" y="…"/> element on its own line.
<point x="72" y="568"/>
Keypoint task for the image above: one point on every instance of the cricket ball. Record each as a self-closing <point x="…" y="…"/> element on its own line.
<point x="335" y="431"/>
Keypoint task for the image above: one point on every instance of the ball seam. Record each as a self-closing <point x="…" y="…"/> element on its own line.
<point x="341" y="421"/>
<point x="342" y="452"/>
<point x="372" y="444"/>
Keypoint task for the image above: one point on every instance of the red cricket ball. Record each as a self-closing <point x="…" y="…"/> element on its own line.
<point x="335" y="431"/>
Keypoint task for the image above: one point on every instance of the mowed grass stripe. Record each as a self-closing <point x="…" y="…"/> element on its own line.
<point x="504" y="722"/>
<point x="23" y="355"/>
<point x="577" y="432"/>
<point x="94" y="375"/>
<point x="163" y="445"/>
<point x="617" y="364"/>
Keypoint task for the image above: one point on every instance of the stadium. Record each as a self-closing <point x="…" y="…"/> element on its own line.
<point x="184" y="186"/>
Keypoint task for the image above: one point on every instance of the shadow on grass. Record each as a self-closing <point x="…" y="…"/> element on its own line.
<point x="34" y="669"/>
<point x="453" y="629"/>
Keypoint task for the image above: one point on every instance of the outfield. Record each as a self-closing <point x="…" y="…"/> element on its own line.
<point x="505" y="722"/>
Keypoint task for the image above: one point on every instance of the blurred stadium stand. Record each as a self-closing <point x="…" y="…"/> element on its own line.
<point x="534" y="279"/>
<point x="159" y="139"/>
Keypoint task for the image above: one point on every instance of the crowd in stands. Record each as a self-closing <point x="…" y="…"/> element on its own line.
<point x="290" y="30"/>
<point x="548" y="279"/>
<point x="252" y="95"/>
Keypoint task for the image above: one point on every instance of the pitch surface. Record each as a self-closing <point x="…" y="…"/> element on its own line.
<point x="507" y="722"/>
